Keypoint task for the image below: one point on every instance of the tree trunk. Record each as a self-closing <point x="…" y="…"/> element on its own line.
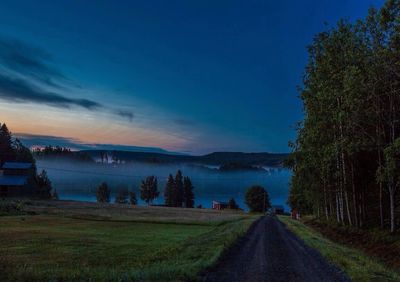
<point x="392" y="207"/>
<point x="381" y="205"/>
<point x="337" y="208"/>
<point x="348" y="209"/>
<point x="325" y="202"/>
<point x="341" y="206"/>
<point x="354" y="195"/>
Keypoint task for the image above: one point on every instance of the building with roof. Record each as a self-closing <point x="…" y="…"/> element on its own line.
<point x="16" y="179"/>
<point x="217" y="205"/>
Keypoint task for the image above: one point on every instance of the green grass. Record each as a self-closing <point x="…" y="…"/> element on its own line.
<point x="357" y="265"/>
<point x="51" y="247"/>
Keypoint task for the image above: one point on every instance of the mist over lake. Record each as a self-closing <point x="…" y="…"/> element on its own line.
<point x="77" y="181"/>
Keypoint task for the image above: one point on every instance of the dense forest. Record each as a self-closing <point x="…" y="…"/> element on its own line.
<point x="346" y="158"/>
<point x="61" y="152"/>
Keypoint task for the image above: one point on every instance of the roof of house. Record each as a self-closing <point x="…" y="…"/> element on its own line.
<point x="17" y="165"/>
<point x="13" y="180"/>
<point x="219" y="202"/>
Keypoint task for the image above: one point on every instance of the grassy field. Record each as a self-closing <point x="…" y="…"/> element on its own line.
<point x="115" y="212"/>
<point x="55" y="244"/>
<point x="357" y="265"/>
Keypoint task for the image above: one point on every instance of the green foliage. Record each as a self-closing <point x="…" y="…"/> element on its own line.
<point x="103" y="193"/>
<point x="257" y="199"/>
<point x="342" y="160"/>
<point x="63" y="248"/>
<point x="149" y="190"/>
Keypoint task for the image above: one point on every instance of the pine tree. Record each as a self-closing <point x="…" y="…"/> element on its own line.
<point x="169" y="196"/>
<point x="149" y="190"/>
<point x="178" y="191"/>
<point x="7" y="152"/>
<point x="188" y="192"/>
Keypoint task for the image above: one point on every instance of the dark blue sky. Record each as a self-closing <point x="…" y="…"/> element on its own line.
<point x="189" y="76"/>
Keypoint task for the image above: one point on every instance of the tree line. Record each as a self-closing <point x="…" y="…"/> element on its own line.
<point x="178" y="192"/>
<point x="346" y="158"/>
<point x="61" y="152"/>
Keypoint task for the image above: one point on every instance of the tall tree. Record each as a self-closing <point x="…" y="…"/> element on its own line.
<point x="169" y="190"/>
<point x="188" y="195"/>
<point x="257" y="199"/>
<point x="345" y="154"/>
<point x="7" y="152"/>
<point x="178" y="191"/>
<point x="149" y="190"/>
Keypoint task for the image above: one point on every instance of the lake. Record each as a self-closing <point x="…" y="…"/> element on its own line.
<point x="76" y="181"/>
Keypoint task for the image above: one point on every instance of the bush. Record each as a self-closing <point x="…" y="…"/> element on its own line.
<point x="257" y="199"/>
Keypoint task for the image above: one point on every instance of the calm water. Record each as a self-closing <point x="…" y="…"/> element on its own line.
<point x="79" y="182"/>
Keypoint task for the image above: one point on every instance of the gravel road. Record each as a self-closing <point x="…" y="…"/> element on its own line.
<point x="270" y="252"/>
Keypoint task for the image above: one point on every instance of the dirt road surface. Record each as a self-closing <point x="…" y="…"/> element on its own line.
<point x="270" y="252"/>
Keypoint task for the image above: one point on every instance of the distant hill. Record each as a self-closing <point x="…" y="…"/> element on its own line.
<point x="217" y="158"/>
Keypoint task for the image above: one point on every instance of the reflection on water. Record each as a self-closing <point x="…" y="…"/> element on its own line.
<point x="79" y="181"/>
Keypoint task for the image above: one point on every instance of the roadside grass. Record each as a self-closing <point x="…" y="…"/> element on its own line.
<point x="51" y="247"/>
<point x="357" y="265"/>
<point x="378" y="243"/>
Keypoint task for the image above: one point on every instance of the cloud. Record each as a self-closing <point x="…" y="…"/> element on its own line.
<point x="125" y="114"/>
<point x="18" y="90"/>
<point x="30" y="70"/>
<point x="29" y="61"/>
<point x="33" y="140"/>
